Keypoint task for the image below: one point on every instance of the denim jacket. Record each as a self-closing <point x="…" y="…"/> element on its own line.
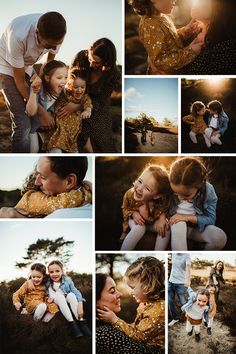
<point x="206" y="215"/>
<point x="190" y="302"/>
<point x="43" y="99"/>
<point x="222" y="122"/>
<point x="67" y="286"/>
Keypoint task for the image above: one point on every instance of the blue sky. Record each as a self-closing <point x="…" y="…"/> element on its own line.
<point x="157" y="97"/>
<point x="15" y="169"/>
<point x="16" y="236"/>
<point x="87" y="20"/>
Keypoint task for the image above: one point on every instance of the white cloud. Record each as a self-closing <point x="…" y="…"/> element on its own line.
<point x="131" y="93"/>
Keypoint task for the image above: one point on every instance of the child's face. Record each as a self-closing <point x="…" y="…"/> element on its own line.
<point x="201" y="10"/>
<point x="58" y="80"/>
<point x="145" y="188"/>
<point x="202" y="300"/>
<point x="184" y="192"/>
<point x="36" y="277"/>
<point x="163" y="6"/>
<point x="55" y="272"/>
<point x="78" y="87"/>
<point x="110" y="296"/>
<point x="136" y="290"/>
<point x="202" y="111"/>
<point x="213" y="113"/>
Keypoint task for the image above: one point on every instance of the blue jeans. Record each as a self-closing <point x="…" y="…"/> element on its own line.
<point x="21" y="123"/>
<point x="180" y="291"/>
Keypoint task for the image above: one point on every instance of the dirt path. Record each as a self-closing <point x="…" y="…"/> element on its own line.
<point x="220" y="342"/>
<point x="164" y="143"/>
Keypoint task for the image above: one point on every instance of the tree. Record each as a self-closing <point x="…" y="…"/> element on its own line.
<point x="109" y="259"/>
<point x="44" y="249"/>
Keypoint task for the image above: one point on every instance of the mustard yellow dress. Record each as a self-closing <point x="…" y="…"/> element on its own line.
<point x="149" y="324"/>
<point x="37" y="203"/>
<point x="31" y="298"/>
<point x="130" y="205"/>
<point x="67" y="130"/>
<point x="199" y="125"/>
<point x="164" y="45"/>
<point x="213" y="305"/>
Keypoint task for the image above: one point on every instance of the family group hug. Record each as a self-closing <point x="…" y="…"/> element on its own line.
<point x="146" y="280"/>
<point x="200" y="307"/>
<point x="178" y="205"/>
<point x="55" y="189"/>
<point x="59" y="108"/>
<point x="206" y="45"/>
<point x="48" y="291"/>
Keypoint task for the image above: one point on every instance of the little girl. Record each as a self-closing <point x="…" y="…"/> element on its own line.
<point x="208" y="321"/>
<point x="145" y="277"/>
<point x="197" y="123"/>
<point x="34" y="299"/>
<point x="145" y="205"/>
<point x="45" y="91"/>
<point x="217" y="122"/>
<point x="63" y="292"/>
<point x="193" y="209"/>
<point x="196" y="307"/>
<point x="162" y="41"/>
<point x="65" y="135"/>
<point x="38" y="204"/>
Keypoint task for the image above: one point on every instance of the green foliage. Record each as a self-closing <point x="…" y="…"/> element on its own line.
<point x="108" y="260"/>
<point x="201" y="263"/>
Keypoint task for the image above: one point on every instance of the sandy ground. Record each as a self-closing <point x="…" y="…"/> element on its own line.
<point x="164" y="143"/>
<point x="220" y="342"/>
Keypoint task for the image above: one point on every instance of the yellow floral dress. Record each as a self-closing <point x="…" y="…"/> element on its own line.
<point x="130" y="205"/>
<point x="213" y="306"/>
<point x="31" y="298"/>
<point x="164" y="45"/>
<point x="199" y="125"/>
<point x="37" y="203"/>
<point x="149" y="324"/>
<point x="67" y="129"/>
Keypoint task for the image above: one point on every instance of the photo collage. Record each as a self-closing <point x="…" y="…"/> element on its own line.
<point x="117" y="187"/>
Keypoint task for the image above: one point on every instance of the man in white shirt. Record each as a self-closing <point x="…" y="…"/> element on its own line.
<point x="25" y="40"/>
<point x="179" y="280"/>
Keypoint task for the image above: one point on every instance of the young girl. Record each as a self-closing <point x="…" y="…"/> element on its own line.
<point x="63" y="292"/>
<point x="208" y="321"/>
<point x="196" y="122"/>
<point x="145" y="205"/>
<point x="195" y="309"/>
<point x="34" y="299"/>
<point x="65" y="135"/>
<point x="217" y="122"/>
<point x="45" y="90"/>
<point x="145" y="277"/>
<point x="38" y="204"/>
<point x="162" y="41"/>
<point x="152" y="137"/>
<point x="193" y="209"/>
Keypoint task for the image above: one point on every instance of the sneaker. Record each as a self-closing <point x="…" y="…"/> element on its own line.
<point x="190" y="333"/>
<point x="209" y="331"/>
<point x="170" y="324"/>
<point x="205" y="324"/>
<point x="197" y="337"/>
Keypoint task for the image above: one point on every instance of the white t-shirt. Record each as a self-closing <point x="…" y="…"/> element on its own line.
<point x="55" y="289"/>
<point x="185" y="207"/>
<point x="213" y="122"/>
<point x="196" y="312"/>
<point x="19" y="46"/>
<point x="178" y="269"/>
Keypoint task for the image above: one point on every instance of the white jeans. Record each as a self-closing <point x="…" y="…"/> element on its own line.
<point x="40" y="311"/>
<point x="215" y="139"/>
<point x="210" y="322"/>
<point x="137" y="232"/>
<point x="213" y="237"/>
<point x="193" y="137"/>
<point x="189" y="327"/>
<point x="62" y="302"/>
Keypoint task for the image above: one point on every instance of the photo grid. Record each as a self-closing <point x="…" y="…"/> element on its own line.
<point x="117" y="155"/>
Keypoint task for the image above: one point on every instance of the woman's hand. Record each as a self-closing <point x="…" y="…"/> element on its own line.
<point x="80" y="310"/>
<point x="18" y="306"/>
<point x="106" y="315"/>
<point x="69" y="108"/>
<point x="138" y="219"/>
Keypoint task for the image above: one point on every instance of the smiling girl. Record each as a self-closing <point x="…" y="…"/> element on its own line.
<point x="144" y="206"/>
<point x="193" y="210"/>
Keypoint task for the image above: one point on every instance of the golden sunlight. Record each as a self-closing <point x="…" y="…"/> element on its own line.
<point x="216" y="82"/>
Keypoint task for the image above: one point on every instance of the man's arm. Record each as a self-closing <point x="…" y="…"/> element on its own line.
<point x="50" y="56"/>
<point x="19" y="77"/>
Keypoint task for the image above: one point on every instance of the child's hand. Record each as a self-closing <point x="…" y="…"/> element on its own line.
<point x="88" y="185"/>
<point x="36" y="83"/>
<point x="177" y="218"/>
<point x="18" y="306"/>
<point x="80" y="310"/>
<point x="49" y="300"/>
<point x="107" y="315"/>
<point x="215" y="132"/>
<point x="192" y="27"/>
<point x="187" y="283"/>
<point x="138" y="219"/>
<point x="161" y="225"/>
<point x="144" y="211"/>
<point x="86" y="113"/>
<point x="30" y="284"/>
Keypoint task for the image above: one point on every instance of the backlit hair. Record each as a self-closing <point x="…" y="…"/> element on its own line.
<point x="196" y="107"/>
